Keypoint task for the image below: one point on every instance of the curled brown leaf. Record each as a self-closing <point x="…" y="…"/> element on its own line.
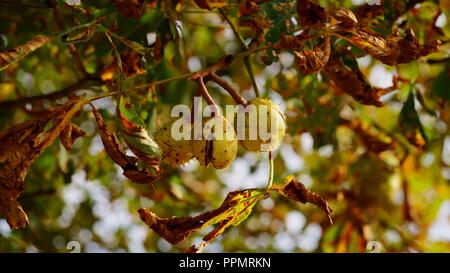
<point x="129" y="8"/>
<point x="69" y="134"/>
<point x="20" y="145"/>
<point x="390" y="50"/>
<point x="371" y="138"/>
<point x="352" y="82"/>
<point x="345" y="16"/>
<point x="127" y="163"/>
<point x="311" y="14"/>
<point x="295" y="190"/>
<point x="210" y="4"/>
<point x="234" y="209"/>
<point x="312" y="61"/>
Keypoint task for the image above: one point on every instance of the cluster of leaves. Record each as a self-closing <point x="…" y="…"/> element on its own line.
<point x="106" y="40"/>
<point x="236" y="207"/>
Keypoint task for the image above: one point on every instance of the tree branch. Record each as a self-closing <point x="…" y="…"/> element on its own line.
<point x="24" y="4"/>
<point x="226" y="85"/>
<point x="52" y="96"/>
<point x="72" y="48"/>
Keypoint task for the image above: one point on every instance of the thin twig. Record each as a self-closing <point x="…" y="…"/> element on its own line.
<point x="271" y="170"/>
<point x="204" y="91"/>
<point x="72" y="48"/>
<point x="226" y="85"/>
<point x="244" y="48"/>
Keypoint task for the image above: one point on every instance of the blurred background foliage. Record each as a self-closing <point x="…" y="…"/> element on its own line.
<point x="399" y="197"/>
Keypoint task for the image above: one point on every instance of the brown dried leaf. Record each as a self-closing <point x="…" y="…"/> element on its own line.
<point x="293" y="42"/>
<point x="295" y="190"/>
<point x="311" y="14"/>
<point x="129" y="8"/>
<point x="391" y="50"/>
<point x="69" y="134"/>
<point x="367" y="12"/>
<point x="210" y="4"/>
<point x="11" y="56"/>
<point x="131" y="66"/>
<point x="127" y="163"/>
<point x="352" y="82"/>
<point x="312" y="61"/>
<point x="20" y="145"/>
<point x="372" y="140"/>
<point x="248" y="7"/>
<point x="346" y="17"/>
<point x="234" y="209"/>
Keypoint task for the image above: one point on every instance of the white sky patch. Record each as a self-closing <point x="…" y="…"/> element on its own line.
<point x="194" y="64"/>
<point x="295" y="221"/>
<point x="309" y="240"/>
<point x="292" y="160"/>
<point x="272" y="70"/>
<point x="441" y="20"/>
<point x="380" y="77"/>
<point x="151" y="38"/>
<point x="358" y="2"/>
<point x="26" y="79"/>
<point x="278" y="100"/>
<point x="364" y="62"/>
<point x="136" y="236"/>
<point x="73" y="2"/>
<point x="5" y="230"/>
<point x="228" y="33"/>
<point x="446" y="151"/>
<point x="440" y="228"/>
<point x="286" y="59"/>
<point x="427" y="159"/>
<point x="96" y="146"/>
<point x="326" y="151"/>
<point x="307" y="143"/>
<point x="284" y="242"/>
<point x="267" y="204"/>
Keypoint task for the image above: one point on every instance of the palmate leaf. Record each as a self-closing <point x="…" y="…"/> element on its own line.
<point x="135" y="134"/>
<point x="11" y="56"/>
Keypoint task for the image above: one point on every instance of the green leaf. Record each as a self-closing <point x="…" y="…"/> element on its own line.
<point x="140" y="49"/>
<point x="442" y="82"/>
<point x="79" y="35"/>
<point x="410" y="124"/>
<point x="135" y="134"/>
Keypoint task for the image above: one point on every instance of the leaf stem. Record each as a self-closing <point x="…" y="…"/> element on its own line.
<point x="244" y="48"/>
<point x="271" y="171"/>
